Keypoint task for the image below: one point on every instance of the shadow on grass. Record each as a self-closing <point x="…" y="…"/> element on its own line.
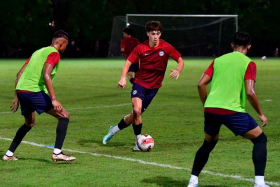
<point x="36" y="159"/>
<point x="90" y="142"/>
<point x="169" y="182"/>
<point x="165" y="182"/>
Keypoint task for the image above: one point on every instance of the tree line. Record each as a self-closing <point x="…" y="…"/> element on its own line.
<point x="28" y="25"/>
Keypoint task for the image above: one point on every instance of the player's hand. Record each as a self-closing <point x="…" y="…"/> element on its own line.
<point x="122" y="83"/>
<point x="15" y="104"/>
<point x="56" y="105"/>
<point x="174" y="73"/>
<point x="263" y="119"/>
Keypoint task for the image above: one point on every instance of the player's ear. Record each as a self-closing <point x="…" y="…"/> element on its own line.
<point x="248" y="47"/>
<point x="148" y="33"/>
<point x="232" y="45"/>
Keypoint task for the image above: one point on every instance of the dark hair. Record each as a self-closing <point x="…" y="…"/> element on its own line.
<point x="127" y="30"/>
<point x="60" y="34"/>
<point x="153" y="26"/>
<point x="241" y="38"/>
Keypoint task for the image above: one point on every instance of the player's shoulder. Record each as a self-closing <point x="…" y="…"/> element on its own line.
<point x="144" y="44"/>
<point x="163" y="43"/>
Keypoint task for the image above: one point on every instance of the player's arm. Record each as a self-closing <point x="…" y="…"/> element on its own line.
<point x="48" y="82"/>
<point x="176" y="73"/>
<point x="15" y="102"/>
<point x="204" y="80"/>
<point x="250" y="79"/>
<point x="122" y="82"/>
<point x="253" y="99"/>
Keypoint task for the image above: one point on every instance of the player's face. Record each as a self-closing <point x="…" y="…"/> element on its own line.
<point x="62" y="44"/>
<point x="154" y="37"/>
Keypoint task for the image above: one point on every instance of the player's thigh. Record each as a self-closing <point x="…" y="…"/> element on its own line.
<point x="37" y="101"/>
<point x="137" y="96"/>
<point x="240" y="123"/>
<point x="212" y="125"/>
<point x="30" y="119"/>
<point x="149" y="96"/>
<point x="26" y="108"/>
<point x="137" y="105"/>
<point x="58" y="114"/>
<point x="252" y="134"/>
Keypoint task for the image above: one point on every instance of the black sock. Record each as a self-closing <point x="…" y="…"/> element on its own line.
<point x="18" y="137"/>
<point x="137" y="129"/>
<point x="202" y="156"/>
<point x="61" y="132"/>
<point x="122" y="124"/>
<point x="131" y="80"/>
<point x="259" y="154"/>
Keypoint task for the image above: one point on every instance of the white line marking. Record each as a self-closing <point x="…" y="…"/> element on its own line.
<point x="267" y="100"/>
<point x="147" y="163"/>
<point x="81" y="108"/>
<point x="108" y="106"/>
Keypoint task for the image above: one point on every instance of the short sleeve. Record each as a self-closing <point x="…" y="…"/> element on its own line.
<point x="251" y="71"/>
<point x="134" y="55"/>
<point x="210" y="70"/>
<point x="173" y="53"/>
<point x="53" y="59"/>
<point x="27" y="61"/>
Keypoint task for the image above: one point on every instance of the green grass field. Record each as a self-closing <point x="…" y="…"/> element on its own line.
<point x="87" y="90"/>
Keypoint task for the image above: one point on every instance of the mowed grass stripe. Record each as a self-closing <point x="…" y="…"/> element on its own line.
<point x="145" y="162"/>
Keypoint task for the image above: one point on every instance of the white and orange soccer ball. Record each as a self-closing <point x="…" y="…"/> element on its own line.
<point x="263" y="58"/>
<point x="145" y="142"/>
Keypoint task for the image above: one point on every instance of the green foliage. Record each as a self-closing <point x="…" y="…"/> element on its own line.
<point x="174" y="119"/>
<point x="25" y="22"/>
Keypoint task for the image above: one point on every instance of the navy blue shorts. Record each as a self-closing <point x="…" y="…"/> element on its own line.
<point x="35" y="101"/>
<point x="133" y="68"/>
<point x="239" y="123"/>
<point x="146" y="95"/>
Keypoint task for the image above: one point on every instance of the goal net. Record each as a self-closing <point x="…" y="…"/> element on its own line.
<point x="191" y="35"/>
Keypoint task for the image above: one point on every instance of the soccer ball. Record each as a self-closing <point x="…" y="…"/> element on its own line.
<point x="145" y="142"/>
<point x="264" y="58"/>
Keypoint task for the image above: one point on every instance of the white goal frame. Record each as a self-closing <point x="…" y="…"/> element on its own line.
<point x="189" y="15"/>
<point x="184" y="15"/>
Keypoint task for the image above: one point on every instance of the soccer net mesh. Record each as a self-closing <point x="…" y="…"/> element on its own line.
<point x="191" y="35"/>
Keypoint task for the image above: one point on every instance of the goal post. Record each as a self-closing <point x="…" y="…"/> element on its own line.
<point x="191" y="35"/>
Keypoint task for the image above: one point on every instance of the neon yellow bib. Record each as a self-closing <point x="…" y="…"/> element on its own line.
<point x="228" y="85"/>
<point x="32" y="77"/>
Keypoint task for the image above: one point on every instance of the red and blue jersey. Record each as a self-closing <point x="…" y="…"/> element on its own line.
<point x="153" y="63"/>
<point x="128" y="44"/>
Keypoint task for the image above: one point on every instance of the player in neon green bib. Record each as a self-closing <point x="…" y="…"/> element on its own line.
<point x="232" y="78"/>
<point x="34" y="92"/>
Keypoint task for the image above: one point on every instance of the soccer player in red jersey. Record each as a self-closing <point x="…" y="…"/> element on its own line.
<point x="232" y="78"/>
<point x="153" y="55"/>
<point x="34" y="92"/>
<point x="127" y="46"/>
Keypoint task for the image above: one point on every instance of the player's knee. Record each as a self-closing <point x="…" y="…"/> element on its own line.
<point x="260" y="139"/>
<point x="137" y="111"/>
<point x="30" y="125"/>
<point x="209" y="146"/>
